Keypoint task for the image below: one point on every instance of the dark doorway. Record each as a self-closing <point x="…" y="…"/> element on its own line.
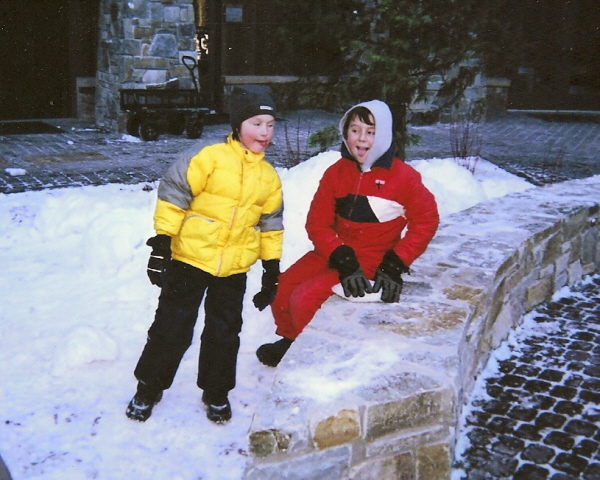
<point x="276" y="37"/>
<point x="44" y="46"/>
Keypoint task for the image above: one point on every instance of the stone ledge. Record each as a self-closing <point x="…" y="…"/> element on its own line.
<point x="486" y="268"/>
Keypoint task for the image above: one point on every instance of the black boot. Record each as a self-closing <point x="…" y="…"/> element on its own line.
<point x="218" y="409"/>
<point x="271" y="353"/>
<point x="140" y="407"/>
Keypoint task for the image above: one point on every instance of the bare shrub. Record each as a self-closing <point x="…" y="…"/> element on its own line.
<point x="465" y="143"/>
<point x="296" y="142"/>
<point x="301" y="143"/>
<point x="554" y="156"/>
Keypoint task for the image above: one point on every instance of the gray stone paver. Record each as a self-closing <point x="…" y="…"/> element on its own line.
<point x="541" y="419"/>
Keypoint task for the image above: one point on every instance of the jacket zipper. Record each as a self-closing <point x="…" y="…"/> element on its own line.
<point x="230" y="225"/>
<point x="356" y="191"/>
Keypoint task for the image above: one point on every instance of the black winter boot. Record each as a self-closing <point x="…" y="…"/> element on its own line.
<point x="218" y="409"/>
<point x="271" y="354"/>
<point x="140" y="407"/>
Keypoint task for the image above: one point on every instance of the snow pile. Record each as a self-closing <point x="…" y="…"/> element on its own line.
<point x="76" y="308"/>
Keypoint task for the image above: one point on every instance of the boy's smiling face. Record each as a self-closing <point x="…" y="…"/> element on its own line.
<point x="360" y="138"/>
<point x="256" y="132"/>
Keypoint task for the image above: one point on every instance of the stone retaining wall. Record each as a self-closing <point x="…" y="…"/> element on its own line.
<point x="372" y="391"/>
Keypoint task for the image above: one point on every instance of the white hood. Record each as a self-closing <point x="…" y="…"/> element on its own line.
<point x="383" y="130"/>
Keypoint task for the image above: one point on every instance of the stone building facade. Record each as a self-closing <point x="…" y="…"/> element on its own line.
<point x="141" y="45"/>
<point x="556" y="65"/>
<point x="142" y="42"/>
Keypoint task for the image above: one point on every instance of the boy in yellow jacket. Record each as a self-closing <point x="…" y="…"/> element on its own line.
<point x="217" y="213"/>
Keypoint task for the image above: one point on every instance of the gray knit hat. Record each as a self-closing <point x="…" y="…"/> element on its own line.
<point x="247" y="101"/>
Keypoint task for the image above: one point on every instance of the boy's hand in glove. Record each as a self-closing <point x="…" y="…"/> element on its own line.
<point x="159" y="257"/>
<point x="388" y="277"/>
<point x="352" y="277"/>
<point x="270" y="280"/>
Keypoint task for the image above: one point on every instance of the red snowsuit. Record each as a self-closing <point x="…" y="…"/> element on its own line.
<point x="366" y="210"/>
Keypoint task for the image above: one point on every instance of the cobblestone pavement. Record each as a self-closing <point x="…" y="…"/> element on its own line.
<point x="540" y="419"/>
<point x="83" y="155"/>
<point x="541" y="151"/>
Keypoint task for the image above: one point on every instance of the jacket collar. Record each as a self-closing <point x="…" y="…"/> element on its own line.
<point x="242" y="151"/>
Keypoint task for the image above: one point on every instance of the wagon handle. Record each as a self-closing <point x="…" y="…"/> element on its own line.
<point x="191" y="64"/>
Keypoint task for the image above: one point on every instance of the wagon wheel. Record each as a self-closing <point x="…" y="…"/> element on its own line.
<point x="195" y="128"/>
<point x="133" y="125"/>
<point x="149" y="130"/>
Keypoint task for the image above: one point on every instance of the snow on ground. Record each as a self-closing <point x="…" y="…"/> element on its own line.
<point x="76" y="308"/>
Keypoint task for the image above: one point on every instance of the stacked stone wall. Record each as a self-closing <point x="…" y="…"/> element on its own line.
<point x="375" y="391"/>
<point x="141" y="44"/>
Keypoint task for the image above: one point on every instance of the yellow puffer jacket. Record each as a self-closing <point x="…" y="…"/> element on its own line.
<point x="223" y="209"/>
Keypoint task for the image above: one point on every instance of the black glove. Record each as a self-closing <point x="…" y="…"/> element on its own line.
<point x="159" y="257"/>
<point x="270" y="280"/>
<point x="388" y="277"/>
<point x="351" y="275"/>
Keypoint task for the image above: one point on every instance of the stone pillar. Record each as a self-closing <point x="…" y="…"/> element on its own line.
<point x="141" y="44"/>
<point x="85" y="97"/>
<point x="496" y="97"/>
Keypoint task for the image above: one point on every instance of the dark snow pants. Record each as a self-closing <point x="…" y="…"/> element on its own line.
<point x="171" y="333"/>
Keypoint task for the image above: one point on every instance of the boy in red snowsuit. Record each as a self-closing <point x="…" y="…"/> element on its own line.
<point x="370" y="218"/>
